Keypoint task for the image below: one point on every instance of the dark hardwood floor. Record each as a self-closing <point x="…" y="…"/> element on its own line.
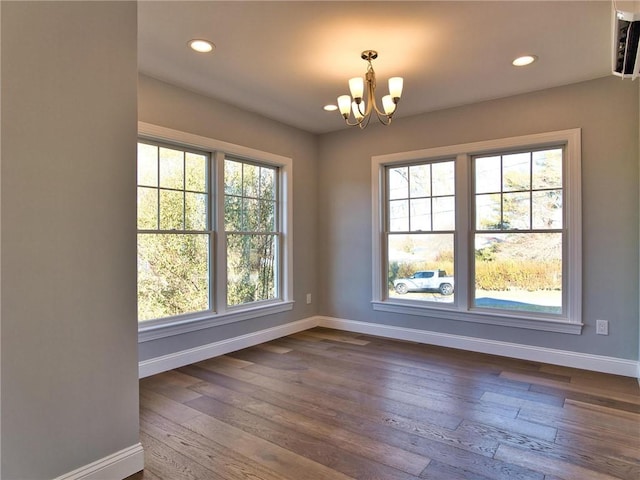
<point x="331" y="405"/>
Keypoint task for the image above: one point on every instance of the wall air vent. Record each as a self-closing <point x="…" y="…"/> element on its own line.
<point x="626" y="36"/>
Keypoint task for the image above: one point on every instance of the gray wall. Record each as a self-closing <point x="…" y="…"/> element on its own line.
<point x="607" y="111"/>
<point x="169" y="106"/>
<point x="68" y="306"/>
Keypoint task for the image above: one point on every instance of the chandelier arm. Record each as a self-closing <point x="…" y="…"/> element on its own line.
<point x="371" y="90"/>
<point x="367" y="108"/>
<point x="353" y="124"/>
<point x="364" y="122"/>
<point x="381" y="119"/>
<point x="371" y="98"/>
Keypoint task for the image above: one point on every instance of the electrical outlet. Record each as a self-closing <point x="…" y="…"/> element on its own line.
<point x="308" y="298"/>
<point x="602" y="327"/>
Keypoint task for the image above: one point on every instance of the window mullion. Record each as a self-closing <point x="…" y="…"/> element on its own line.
<point x="464" y="230"/>
<point x="158" y="186"/>
<point x="184" y="191"/>
<point x="531" y="192"/>
<point x="218" y="200"/>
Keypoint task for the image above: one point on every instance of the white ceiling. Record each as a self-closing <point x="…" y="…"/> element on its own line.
<point x="286" y="60"/>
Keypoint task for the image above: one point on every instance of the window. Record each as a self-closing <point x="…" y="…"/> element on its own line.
<point x="213" y="241"/>
<point x="174" y="235"/>
<point x="250" y="222"/>
<point x="420" y="213"/>
<point x="485" y="232"/>
<point x="518" y="235"/>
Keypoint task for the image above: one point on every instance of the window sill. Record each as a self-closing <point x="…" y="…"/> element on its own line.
<point x="154" y="330"/>
<point x="485" y="317"/>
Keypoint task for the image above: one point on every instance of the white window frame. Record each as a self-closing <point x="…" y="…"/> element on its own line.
<point x="462" y="307"/>
<point x="165" y="327"/>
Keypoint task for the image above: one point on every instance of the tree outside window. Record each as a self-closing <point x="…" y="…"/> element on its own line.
<point x="173" y="232"/>
<point x="251" y="229"/>
<point x="177" y="252"/>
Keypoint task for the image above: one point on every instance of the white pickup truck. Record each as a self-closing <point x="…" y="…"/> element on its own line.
<point x="425" y="281"/>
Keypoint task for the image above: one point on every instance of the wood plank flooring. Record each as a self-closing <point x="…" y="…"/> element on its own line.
<point x="330" y="405"/>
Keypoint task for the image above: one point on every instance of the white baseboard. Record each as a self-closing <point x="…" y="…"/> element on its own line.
<point x="116" y="466"/>
<point x="585" y="361"/>
<point x="197" y="354"/>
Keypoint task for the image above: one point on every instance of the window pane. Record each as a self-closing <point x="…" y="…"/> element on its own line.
<point x="267" y="220"/>
<point x="412" y="254"/>
<point x="250" y="215"/>
<point x="232" y="214"/>
<point x="251" y="224"/>
<point x="421" y="215"/>
<point x="519" y="271"/>
<point x="444" y="217"/>
<point x="516" y="212"/>
<point x="425" y="211"/>
<point x="147" y="165"/>
<point x="147" y="208"/>
<point x="196" y="172"/>
<point x="173" y="274"/>
<point x="195" y="211"/>
<point x="251" y="268"/>
<point x="420" y="181"/>
<point x="399" y="216"/>
<point x="171" y="168"/>
<point x="516" y="172"/>
<point x="547" y="209"/>
<point x="488" y="174"/>
<point x="398" y="182"/>
<point x="443" y="178"/>
<point x="250" y="180"/>
<point x="488" y="212"/>
<point x="232" y="178"/>
<point x="267" y="183"/>
<point x="171" y="210"/>
<point x="547" y="169"/>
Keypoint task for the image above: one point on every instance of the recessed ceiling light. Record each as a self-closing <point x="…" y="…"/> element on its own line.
<point x="202" y="46"/>
<point x="330" y="108"/>
<point x="524" y="60"/>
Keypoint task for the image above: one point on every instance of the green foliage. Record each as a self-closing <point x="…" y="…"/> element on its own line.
<point x="494" y="275"/>
<point x="173" y="248"/>
<point x="487" y="254"/>
<point x="250" y="267"/>
<point x="499" y="266"/>
<point x="525" y="275"/>
<point x="394" y="269"/>
<point x="251" y="238"/>
<point x="172" y="274"/>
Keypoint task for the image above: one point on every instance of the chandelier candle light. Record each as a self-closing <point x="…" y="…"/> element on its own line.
<point x="364" y="103"/>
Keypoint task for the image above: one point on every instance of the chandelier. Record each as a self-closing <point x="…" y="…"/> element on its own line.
<point x="363" y="103"/>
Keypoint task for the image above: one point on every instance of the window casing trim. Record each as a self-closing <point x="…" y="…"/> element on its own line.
<point x="461" y="308"/>
<point x="153" y="329"/>
<point x="193" y="322"/>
